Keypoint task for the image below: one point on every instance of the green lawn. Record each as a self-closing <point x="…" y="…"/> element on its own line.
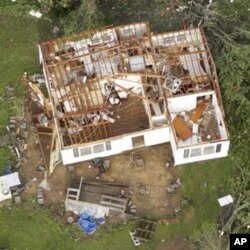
<point x="30" y="228"/>
<point x="18" y="49"/>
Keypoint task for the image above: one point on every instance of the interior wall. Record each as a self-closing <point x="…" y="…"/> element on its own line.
<point x="185" y="103"/>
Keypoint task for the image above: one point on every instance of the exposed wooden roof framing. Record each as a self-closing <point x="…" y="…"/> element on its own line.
<point x="77" y="66"/>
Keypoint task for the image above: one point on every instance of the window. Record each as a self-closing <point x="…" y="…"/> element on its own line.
<point x="108" y="145"/>
<point x="186" y="153"/>
<point x="181" y="37"/>
<point x="218" y="148"/>
<point x="106" y="37"/>
<point x="98" y="148"/>
<point x="167" y="40"/>
<point x="138" y="141"/>
<point x="95" y="40"/>
<point x="85" y="151"/>
<point x="128" y="32"/>
<point x="76" y="152"/>
<point x="208" y="150"/>
<point x="195" y="152"/>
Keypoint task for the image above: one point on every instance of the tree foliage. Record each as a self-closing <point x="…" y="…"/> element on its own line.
<point x="227" y="25"/>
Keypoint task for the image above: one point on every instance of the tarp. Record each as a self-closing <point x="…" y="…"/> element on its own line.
<point x="79" y="207"/>
<point x="87" y="223"/>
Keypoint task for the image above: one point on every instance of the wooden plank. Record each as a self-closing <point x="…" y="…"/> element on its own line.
<point x="181" y="129"/>
<point x="197" y="113"/>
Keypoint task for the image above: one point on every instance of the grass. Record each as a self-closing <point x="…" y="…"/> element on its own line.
<point x="19" y="37"/>
<point x="25" y="226"/>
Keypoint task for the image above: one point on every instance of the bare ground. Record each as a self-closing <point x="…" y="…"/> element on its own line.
<point x="154" y="175"/>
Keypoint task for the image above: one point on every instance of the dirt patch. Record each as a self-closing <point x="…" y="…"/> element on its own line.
<point x="58" y="183"/>
<point x="29" y="175"/>
<point x="154" y="175"/>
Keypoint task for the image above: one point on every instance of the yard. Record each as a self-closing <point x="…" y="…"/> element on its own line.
<point x="30" y="227"/>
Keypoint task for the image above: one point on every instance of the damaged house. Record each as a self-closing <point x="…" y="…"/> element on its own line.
<point x="120" y="88"/>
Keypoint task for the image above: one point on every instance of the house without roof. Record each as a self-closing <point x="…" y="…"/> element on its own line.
<point x="120" y="88"/>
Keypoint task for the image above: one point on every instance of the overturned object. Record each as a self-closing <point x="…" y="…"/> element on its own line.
<point x="144" y="231"/>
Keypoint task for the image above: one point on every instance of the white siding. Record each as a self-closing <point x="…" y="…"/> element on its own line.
<point x="152" y="137"/>
<point x="206" y="154"/>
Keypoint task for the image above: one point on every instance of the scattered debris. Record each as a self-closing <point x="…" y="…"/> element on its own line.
<point x="17" y="199"/>
<point x="10" y="91"/>
<point x="36" y="14"/>
<point x="172" y="188"/>
<point x="183" y="202"/>
<point x="142" y="189"/>
<point x="40" y="196"/>
<point x="138" y="159"/>
<point x="40" y="168"/>
<point x="134" y="239"/>
<point x="71" y="168"/>
<point x="170" y="163"/>
<point x="102" y="166"/>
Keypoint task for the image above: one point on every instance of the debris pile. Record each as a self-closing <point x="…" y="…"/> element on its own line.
<point x="172" y="188"/>
<point x="10" y="91"/>
<point x="183" y="202"/>
<point x="40" y="196"/>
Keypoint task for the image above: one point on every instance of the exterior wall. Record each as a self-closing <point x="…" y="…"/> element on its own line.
<point x="153" y="137"/>
<point x="204" y="151"/>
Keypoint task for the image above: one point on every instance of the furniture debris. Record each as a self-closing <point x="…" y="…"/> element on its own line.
<point x="114" y="203"/>
<point x="101" y="165"/>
